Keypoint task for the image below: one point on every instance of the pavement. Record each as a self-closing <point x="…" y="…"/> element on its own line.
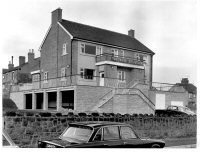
<point x="189" y="142"/>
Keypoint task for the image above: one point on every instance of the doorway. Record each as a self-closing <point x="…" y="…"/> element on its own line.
<point x="101" y="80"/>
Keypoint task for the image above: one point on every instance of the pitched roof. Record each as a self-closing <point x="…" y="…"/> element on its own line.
<point x="95" y="34"/>
<point x="18" y="67"/>
<point x="189" y="87"/>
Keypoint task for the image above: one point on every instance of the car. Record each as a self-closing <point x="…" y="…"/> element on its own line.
<point x="7" y="141"/>
<point x="99" y="134"/>
<point x="174" y="111"/>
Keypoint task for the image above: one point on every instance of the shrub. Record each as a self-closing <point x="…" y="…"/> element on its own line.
<point x="9" y="104"/>
<point x="45" y="114"/>
<point x="10" y="113"/>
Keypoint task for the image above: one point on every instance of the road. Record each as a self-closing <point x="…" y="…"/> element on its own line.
<point x="181" y="143"/>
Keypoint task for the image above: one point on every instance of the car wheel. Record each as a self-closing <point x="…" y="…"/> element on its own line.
<point x="155" y="146"/>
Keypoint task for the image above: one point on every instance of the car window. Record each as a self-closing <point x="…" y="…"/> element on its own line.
<point x="111" y="133"/>
<point x="98" y="136"/>
<point x="127" y="133"/>
<point x="78" y="133"/>
<point x="5" y="142"/>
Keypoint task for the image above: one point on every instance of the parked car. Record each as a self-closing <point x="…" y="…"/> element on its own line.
<point x="7" y="141"/>
<point x="100" y="135"/>
<point x="174" y="111"/>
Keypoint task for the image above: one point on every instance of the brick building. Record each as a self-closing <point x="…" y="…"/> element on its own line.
<point x="87" y="68"/>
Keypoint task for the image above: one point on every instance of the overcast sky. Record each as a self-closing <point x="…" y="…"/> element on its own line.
<point x="167" y="27"/>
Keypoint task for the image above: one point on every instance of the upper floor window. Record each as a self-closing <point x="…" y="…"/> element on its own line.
<point x="88" y="49"/>
<point x="141" y="57"/>
<point x="36" y="77"/>
<point x="45" y="76"/>
<point x="87" y="73"/>
<point x="122" y="53"/>
<point x="191" y="95"/>
<point x="99" y="50"/>
<point x="114" y="52"/>
<point x="121" y="75"/>
<point x="64" y="50"/>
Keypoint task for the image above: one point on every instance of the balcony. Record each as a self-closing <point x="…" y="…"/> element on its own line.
<point x="119" y="61"/>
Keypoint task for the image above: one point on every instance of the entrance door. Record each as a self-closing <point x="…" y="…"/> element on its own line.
<point x="101" y="83"/>
<point x="160" y="101"/>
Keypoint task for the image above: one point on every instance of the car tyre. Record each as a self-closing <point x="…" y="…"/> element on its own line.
<point x="155" y="146"/>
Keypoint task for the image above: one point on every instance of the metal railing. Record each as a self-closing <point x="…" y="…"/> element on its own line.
<point x="122" y="59"/>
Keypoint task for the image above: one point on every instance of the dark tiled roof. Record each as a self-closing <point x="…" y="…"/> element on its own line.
<point x="189" y="87"/>
<point x="91" y="33"/>
<point x="18" y="67"/>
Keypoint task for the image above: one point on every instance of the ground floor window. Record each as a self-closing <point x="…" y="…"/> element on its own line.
<point x="28" y="104"/>
<point x="68" y="99"/>
<point x="87" y="73"/>
<point x="121" y="75"/>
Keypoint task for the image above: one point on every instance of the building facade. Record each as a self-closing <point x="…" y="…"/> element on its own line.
<point x="86" y="68"/>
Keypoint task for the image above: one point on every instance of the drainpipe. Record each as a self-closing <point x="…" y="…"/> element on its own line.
<point x="71" y="64"/>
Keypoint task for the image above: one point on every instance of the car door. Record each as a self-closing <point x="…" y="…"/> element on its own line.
<point x="129" y="138"/>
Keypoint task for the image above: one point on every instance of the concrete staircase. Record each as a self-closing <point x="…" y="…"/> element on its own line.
<point x="128" y="90"/>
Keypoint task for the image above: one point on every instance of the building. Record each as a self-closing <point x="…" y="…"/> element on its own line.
<point x="88" y="68"/>
<point x="190" y="91"/>
<point x="16" y="75"/>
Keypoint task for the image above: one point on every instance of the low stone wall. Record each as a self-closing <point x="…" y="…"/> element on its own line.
<point x="26" y="130"/>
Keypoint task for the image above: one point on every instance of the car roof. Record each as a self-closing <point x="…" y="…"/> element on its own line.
<point x="96" y="124"/>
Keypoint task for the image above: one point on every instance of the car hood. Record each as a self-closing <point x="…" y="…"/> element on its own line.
<point x="59" y="142"/>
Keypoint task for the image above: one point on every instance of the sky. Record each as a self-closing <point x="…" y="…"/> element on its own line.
<point x="167" y="27"/>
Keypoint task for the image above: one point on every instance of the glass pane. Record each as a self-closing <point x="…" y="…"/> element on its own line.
<point x="5" y="142"/>
<point x="127" y="133"/>
<point x="89" y="49"/>
<point x="111" y="133"/>
<point x="98" y="135"/>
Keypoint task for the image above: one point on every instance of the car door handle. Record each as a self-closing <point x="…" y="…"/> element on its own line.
<point x="125" y="143"/>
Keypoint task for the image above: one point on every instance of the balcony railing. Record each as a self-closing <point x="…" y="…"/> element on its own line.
<point x="121" y="59"/>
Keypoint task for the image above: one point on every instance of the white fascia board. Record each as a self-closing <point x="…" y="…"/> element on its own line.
<point x="44" y="38"/>
<point x="65" y="30"/>
<point x="34" y="72"/>
<point x="114" y="46"/>
<point x="120" y="64"/>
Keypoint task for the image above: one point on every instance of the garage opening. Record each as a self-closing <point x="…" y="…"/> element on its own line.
<point x="39" y="101"/>
<point x="52" y="100"/>
<point x="68" y="99"/>
<point x="28" y="101"/>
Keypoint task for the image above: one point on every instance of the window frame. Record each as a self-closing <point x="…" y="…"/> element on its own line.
<point x="13" y="75"/>
<point x="99" y="50"/>
<point x="83" y="75"/>
<point x="115" y="52"/>
<point x="123" y="74"/>
<point x="64" y="48"/>
<point x="46" y="77"/>
<point x="63" y="73"/>
<point x="83" y="49"/>
<point x="136" y="137"/>
<point x="103" y="139"/>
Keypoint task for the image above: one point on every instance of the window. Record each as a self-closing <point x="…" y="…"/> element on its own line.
<point x="87" y="73"/>
<point x="127" y="133"/>
<point x="13" y="75"/>
<point x="36" y="77"/>
<point x="121" y="75"/>
<point x="114" y="52"/>
<point x="141" y="57"/>
<point x="99" y="50"/>
<point x="45" y="76"/>
<point x="88" y="49"/>
<point x="64" y="51"/>
<point x="98" y="136"/>
<point x="111" y="133"/>
<point x="63" y="72"/>
<point x="122" y="53"/>
<point x="190" y="95"/>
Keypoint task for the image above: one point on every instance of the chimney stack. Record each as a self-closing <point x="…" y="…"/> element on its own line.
<point x="11" y="65"/>
<point x="184" y="81"/>
<point x="21" y="60"/>
<point x="56" y="16"/>
<point x="131" y="33"/>
<point x="31" y="56"/>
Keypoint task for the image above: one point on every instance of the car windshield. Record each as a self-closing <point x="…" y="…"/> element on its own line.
<point x="77" y="133"/>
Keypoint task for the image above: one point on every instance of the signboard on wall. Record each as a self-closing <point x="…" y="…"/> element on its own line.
<point x="160" y="101"/>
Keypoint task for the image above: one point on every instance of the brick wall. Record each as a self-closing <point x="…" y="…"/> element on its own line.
<point x="130" y="104"/>
<point x="88" y="96"/>
<point x="26" y="130"/>
<point x="169" y="96"/>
